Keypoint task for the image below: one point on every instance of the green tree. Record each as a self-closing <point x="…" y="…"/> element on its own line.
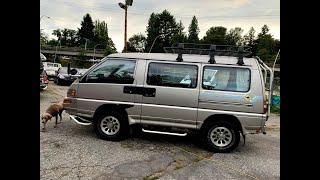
<point x="57" y="33"/>
<point x="152" y="31"/>
<point x="164" y="27"/>
<point x="249" y="38"/>
<point x="43" y="38"/>
<point x="86" y="30"/>
<point x="266" y="45"/>
<point x="101" y="33"/>
<point x="101" y="38"/>
<point x="193" y="31"/>
<point x="52" y="42"/>
<point x="67" y="37"/>
<point x="137" y="43"/>
<point x="111" y="48"/>
<point x="180" y="36"/>
<point x="264" y="30"/>
<point x="234" y="36"/>
<point x="215" y="35"/>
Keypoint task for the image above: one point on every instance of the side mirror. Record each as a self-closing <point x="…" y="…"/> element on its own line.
<point x="73" y="71"/>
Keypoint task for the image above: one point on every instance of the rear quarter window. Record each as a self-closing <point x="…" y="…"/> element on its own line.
<point x="226" y="78"/>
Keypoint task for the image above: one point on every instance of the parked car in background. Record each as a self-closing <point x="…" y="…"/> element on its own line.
<point x="43" y="80"/>
<point x="51" y="68"/>
<point x="41" y="65"/>
<point x="43" y="74"/>
<point x="42" y="57"/>
<point x="65" y="78"/>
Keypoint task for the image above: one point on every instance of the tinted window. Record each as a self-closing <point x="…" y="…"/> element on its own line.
<point x="63" y="70"/>
<point x="50" y="65"/>
<point x="226" y="79"/>
<point x="172" y="75"/>
<point x="113" y="71"/>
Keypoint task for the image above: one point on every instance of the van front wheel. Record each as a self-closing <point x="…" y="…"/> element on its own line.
<point x="111" y="126"/>
<point x="222" y="137"/>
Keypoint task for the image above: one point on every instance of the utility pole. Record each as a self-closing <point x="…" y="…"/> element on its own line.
<point x="125" y="29"/>
<point x="125" y="7"/>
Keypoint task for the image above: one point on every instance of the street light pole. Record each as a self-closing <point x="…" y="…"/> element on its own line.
<point x="155" y="40"/>
<point x="94" y="50"/>
<point x="125" y="29"/>
<point x="55" y="54"/>
<point x="85" y="45"/>
<point x="125" y="7"/>
<point x="44" y="16"/>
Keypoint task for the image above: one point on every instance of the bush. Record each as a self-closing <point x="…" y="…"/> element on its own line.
<point x="275" y="109"/>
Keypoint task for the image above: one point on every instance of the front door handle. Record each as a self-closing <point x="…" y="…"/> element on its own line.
<point x="129" y="89"/>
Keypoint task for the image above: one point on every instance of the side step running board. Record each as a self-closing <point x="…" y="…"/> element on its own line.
<point x="80" y="120"/>
<point x="161" y="132"/>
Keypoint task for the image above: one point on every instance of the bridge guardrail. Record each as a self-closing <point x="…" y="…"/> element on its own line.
<point x="73" y="49"/>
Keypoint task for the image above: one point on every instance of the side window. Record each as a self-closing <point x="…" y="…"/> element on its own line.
<point x="172" y="75"/>
<point x="112" y="71"/>
<point x="226" y="79"/>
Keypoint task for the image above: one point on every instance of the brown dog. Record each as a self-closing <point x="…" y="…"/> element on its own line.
<point x="54" y="110"/>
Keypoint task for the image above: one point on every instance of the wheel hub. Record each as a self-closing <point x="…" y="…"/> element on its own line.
<point x="110" y="125"/>
<point x="221" y="136"/>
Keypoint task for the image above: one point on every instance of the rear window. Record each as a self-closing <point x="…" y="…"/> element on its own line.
<point x="63" y="70"/>
<point x="226" y="79"/>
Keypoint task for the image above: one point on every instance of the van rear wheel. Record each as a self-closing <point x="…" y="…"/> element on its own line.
<point x="221" y="137"/>
<point x="111" y="125"/>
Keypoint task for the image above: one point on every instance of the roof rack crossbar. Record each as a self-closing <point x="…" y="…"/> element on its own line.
<point x="180" y="48"/>
<point x="240" y="58"/>
<point x="209" y="49"/>
<point x="211" y="54"/>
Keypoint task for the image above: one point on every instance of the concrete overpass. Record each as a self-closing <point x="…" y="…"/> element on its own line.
<point x="72" y="51"/>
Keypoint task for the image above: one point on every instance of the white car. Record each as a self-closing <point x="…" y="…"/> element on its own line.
<point x="51" y="68"/>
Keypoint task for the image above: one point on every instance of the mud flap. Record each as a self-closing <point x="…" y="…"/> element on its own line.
<point x="244" y="138"/>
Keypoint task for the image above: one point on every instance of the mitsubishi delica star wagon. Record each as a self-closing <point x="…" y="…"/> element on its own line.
<point x="215" y="91"/>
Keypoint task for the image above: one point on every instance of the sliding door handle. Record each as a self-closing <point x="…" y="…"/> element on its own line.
<point x="149" y="92"/>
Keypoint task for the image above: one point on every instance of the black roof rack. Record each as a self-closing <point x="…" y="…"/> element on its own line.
<point x="209" y="49"/>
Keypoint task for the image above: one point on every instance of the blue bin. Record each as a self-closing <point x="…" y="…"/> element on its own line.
<point x="275" y="100"/>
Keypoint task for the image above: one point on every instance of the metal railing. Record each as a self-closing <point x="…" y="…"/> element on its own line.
<point x="267" y="69"/>
<point x="73" y="49"/>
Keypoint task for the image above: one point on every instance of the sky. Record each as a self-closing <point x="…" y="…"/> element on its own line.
<point x="227" y="13"/>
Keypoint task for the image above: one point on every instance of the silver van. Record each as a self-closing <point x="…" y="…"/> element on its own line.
<point x="222" y="97"/>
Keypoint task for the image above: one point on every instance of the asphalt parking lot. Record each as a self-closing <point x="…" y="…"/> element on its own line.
<point x="72" y="151"/>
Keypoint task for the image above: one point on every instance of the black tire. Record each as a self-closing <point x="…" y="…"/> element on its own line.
<point x="136" y="130"/>
<point x="221" y="126"/>
<point x="123" y="126"/>
<point x="56" y="81"/>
